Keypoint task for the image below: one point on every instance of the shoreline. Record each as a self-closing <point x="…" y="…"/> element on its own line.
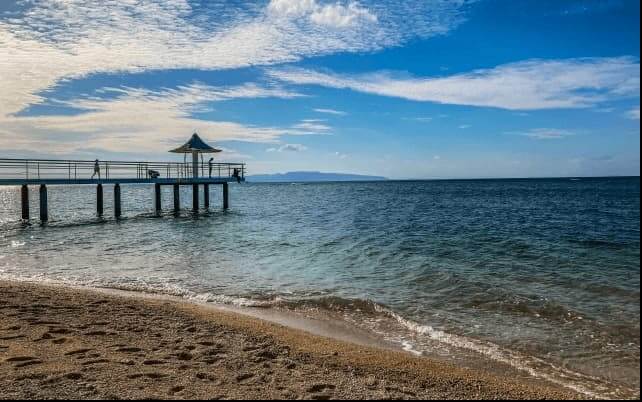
<point x="57" y="341"/>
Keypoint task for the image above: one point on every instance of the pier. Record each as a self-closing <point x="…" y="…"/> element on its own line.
<point x="41" y="173"/>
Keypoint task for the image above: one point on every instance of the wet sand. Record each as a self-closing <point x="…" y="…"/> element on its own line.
<point x="58" y="342"/>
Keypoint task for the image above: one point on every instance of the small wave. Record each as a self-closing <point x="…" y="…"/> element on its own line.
<point x="597" y="243"/>
<point x="534" y="366"/>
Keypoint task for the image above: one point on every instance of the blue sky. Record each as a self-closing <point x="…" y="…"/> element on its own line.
<point x="413" y="89"/>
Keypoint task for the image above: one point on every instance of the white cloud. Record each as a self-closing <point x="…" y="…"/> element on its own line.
<point x="527" y="85"/>
<point x="546" y="133"/>
<point x="334" y="15"/>
<point x="420" y="119"/>
<point x="331" y="111"/>
<point x="634" y="114"/>
<point x="137" y="120"/>
<point x="54" y="40"/>
<point x="312" y="127"/>
<point x="288" y="148"/>
<point x="464" y="126"/>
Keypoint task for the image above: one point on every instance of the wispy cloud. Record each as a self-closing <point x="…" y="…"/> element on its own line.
<point x="313" y="126"/>
<point x="137" y="120"/>
<point x="50" y="40"/>
<point x="634" y="114"/>
<point x="526" y="85"/>
<point x="423" y="119"/>
<point x="546" y="133"/>
<point x="331" y="111"/>
<point x="288" y="148"/>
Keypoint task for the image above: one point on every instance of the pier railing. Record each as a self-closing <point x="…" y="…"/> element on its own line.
<point x="43" y="169"/>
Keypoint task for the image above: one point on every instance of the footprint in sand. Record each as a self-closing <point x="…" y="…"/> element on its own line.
<point x="129" y="350"/>
<point x="11" y="338"/>
<point x="176" y="389"/>
<point x="24" y="361"/>
<point x="320" y="388"/>
<point x="96" y="333"/>
<point x="77" y="352"/>
<point x="154" y="362"/>
<point x="20" y="359"/>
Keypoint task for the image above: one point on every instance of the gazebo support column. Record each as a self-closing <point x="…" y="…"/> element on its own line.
<point x="100" y="204"/>
<point x="44" y="208"/>
<point x="24" y="193"/>
<point x="195" y="202"/>
<point x="117" y="203"/>
<point x="158" y="207"/>
<point x="177" y="198"/>
<point x="226" y="196"/>
<point x="206" y="196"/>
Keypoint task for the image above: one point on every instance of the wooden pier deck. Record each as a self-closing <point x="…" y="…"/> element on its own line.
<point x="50" y="172"/>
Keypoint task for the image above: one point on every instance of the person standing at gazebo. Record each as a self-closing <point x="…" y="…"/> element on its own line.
<point x="210" y="164"/>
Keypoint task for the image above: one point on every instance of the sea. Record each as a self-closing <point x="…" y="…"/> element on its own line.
<point x="538" y="275"/>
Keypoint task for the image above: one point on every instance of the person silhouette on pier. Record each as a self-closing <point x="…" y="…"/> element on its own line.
<point x="210" y="164"/>
<point x="96" y="170"/>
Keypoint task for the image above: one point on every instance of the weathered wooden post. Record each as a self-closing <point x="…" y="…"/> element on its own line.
<point x="195" y="197"/>
<point x="157" y="198"/>
<point x="100" y="205"/>
<point x="44" y="208"/>
<point x="25" y="202"/>
<point x="226" y="196"/>
<point x="117" y="203"/>
<point x="177" y="198"/>
<point x="206" y="196"/>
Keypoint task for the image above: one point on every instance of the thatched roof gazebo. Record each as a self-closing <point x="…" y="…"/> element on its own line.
<point x="195" y="146"/>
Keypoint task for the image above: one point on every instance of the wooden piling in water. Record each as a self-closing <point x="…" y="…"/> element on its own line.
<point x="44" y="207"/>
<point x="100" y="201"/>
<point x="195" y="197"/>
<point x="25" y="202"/>
<point x="157" y="198"/>
<point x="117" y="201"/>
<point x="177" y="198"/>
<point x="206" y="196"/>
<point x="226" y="196"/>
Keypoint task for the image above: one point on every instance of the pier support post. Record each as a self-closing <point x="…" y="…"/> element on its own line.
<point x="226" y="196"/>
<point x="117" y="203"/>
<point x="206" y="196"/>
<point x="157" y="199"/>
<point x="100" y="205"/>
<point x="24" y="192"/>
<point x="177" y="198"/>
<point x="195" y="197"/>
<point x="44" y="206"/>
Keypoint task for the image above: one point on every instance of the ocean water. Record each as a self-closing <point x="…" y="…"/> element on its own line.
<point x="541" y="275"/>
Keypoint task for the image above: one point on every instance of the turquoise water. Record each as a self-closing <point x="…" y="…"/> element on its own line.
<point x="543" y="275"/>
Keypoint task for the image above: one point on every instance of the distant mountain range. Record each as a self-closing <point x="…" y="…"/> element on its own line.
<point x="310" y="177"/>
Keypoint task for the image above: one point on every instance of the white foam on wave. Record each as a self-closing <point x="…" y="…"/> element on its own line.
<point x="529" y="364"/>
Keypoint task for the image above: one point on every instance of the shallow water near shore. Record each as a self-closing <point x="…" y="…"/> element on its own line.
<point x="543" y="275"/>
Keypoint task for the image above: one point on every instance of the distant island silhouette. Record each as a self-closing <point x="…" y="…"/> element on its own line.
<point x="310" y="177"/>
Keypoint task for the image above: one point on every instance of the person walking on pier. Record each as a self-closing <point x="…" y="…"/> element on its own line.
<point x="96" y="170"/>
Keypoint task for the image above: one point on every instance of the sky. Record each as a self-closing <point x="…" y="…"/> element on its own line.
<point x="407" y="90"/>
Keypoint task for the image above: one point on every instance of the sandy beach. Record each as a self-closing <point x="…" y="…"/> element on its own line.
<point x="58" y="342"/>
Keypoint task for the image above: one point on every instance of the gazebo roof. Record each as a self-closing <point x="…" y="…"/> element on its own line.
<point x="195" y="144"/>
